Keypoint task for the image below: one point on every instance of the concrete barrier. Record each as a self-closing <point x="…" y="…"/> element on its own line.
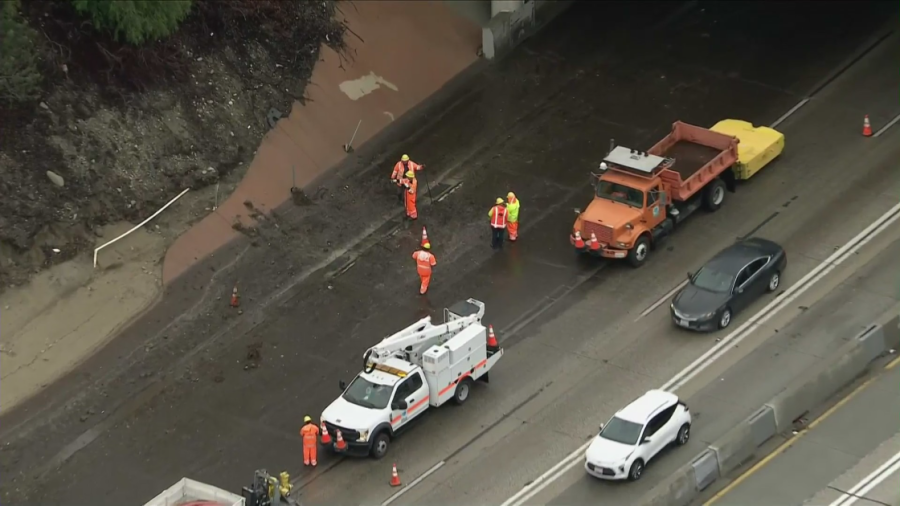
<point x="679" y="489"/>
<point x="507" y="30"/>
<point x="810" y="389"/>
<point x="827" y="377"/>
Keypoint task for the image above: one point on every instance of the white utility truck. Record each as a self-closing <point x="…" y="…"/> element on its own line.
<point x="419" y="367"/>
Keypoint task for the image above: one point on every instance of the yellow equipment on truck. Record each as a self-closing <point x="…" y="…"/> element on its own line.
<point x="643" y="196"/>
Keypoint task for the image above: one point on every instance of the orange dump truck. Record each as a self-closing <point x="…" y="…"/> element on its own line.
<point x="642" y="197"/>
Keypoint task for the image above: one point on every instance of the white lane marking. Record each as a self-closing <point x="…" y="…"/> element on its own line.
<point x="889" y="125"/>
<point x="413" y="483"/>
<point x="662" y="300"/>
<point x="794" y="291"/>
<point x="788" y="114"/>
<point x="869" y="482"/>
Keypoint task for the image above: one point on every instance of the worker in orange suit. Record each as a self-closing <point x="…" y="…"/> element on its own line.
<point x="402" y="167"/>
<point x="412" y="186"/>
<point x="424" y="262"/>
<point x="310" y="434"/>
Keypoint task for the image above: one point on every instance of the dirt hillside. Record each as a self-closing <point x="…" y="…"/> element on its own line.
<point x="119" y="131"/>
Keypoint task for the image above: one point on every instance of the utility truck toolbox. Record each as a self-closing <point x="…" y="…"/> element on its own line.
<point x="419" y="367"/>
<point x="641" y="197"/>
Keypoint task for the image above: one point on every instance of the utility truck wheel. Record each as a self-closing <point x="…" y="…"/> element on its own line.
<point x="639" y="253"/>
<point x="462" y="391"/>
<point x="380" y="445"/>
<point x="714" y="195"/>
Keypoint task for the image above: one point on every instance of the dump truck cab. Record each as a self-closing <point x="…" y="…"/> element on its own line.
<point x="629" y="203"/>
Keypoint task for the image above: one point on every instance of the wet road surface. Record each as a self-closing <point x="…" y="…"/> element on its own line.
<point x="536" y="124"/>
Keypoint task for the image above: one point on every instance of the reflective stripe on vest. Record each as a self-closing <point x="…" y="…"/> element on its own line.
<point x="498" y="220"/>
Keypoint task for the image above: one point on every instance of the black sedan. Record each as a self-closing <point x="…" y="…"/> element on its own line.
<point x="728" y="283"/>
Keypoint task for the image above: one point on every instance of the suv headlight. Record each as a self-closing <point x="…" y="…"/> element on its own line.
<point x="363" y="436"/>
<point x="622" y="244"/>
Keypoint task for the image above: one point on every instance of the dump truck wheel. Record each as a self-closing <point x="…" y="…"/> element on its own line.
<point x="714" y="196"/>
<point x="639" y="252"/>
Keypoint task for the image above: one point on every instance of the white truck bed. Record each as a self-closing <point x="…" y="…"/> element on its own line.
<point x="188" y="491"/>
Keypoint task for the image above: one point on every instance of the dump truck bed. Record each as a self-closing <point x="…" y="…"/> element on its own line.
<point x="699" y="155"/>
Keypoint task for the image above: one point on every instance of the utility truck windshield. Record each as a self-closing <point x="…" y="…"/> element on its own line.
<point x="620" y="193"/>
<point x="363" y="392"/>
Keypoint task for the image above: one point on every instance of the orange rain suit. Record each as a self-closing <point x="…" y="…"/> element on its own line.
<point x="310" y="435"/>
<point x="412" y="186"/>
<point x="424" y="262"/>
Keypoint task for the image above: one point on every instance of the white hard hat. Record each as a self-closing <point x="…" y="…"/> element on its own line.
<point x="603" y="166"/>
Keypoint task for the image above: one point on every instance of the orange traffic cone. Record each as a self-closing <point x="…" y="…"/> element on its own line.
<point x="339" y="445"/>
<point x="867" y="127"/>
<point x="326" y="437"/>
<point x="492" y="343"/>
<point x="395" y="478"/>
<point x="424" y="237"/>
<point x="595" y="244"/>
<point x="235" y="299"/>
<point x="579" y="242"/>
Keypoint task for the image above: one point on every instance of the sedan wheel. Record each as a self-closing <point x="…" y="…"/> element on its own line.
<point x="725" y="319"/>
<point x="774" y="281"/>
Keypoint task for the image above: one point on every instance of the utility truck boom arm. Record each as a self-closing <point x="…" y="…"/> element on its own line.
<point x="409" y="343"/>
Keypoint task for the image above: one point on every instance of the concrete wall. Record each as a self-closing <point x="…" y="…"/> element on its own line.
<point x="507" y="29"/>
<point x="809" y="390"/>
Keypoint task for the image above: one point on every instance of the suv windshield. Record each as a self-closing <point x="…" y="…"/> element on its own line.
<point x="622" y="431"/>
<point x="620" y="193"/>
<point x="363" y="392"/>
<point x="712" y="280"/>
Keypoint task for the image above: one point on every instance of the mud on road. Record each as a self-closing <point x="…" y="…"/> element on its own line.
<point x="174" y="395"/>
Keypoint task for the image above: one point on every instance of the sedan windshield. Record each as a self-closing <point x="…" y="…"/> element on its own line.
<point x="622" y="431"/>
<point x="620" y="193"/>
<point x="713" y="280"/>
<point x="363" y="392"/>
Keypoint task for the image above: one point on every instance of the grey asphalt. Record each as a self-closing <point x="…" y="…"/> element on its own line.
<point x="535" y="123"/>
<point x="729" y="397"/>
<point x="835" y="445"/>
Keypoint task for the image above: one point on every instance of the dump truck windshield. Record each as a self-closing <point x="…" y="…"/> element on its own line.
<point x="620" y="193"/>
<point x="363" y="392"/>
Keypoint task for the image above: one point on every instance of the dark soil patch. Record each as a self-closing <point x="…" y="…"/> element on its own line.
<point x="127" y="128"/>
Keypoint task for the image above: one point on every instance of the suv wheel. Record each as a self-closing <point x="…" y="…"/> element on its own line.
<point x="380" y="445"/>
<point x="636" y="470"/>
<point x="684" y="435"/>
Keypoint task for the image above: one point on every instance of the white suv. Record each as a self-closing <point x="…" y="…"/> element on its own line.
<point x="635" y="435"/>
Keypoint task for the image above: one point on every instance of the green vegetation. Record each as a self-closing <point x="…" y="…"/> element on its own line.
<point x="20" y="79"/>
<point x="135" y="21"/>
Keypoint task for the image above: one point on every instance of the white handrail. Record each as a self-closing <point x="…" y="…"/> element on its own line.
<point x="139" y="225"/>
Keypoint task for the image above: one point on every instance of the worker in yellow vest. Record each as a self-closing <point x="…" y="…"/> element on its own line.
<point x="512" y="218"/>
